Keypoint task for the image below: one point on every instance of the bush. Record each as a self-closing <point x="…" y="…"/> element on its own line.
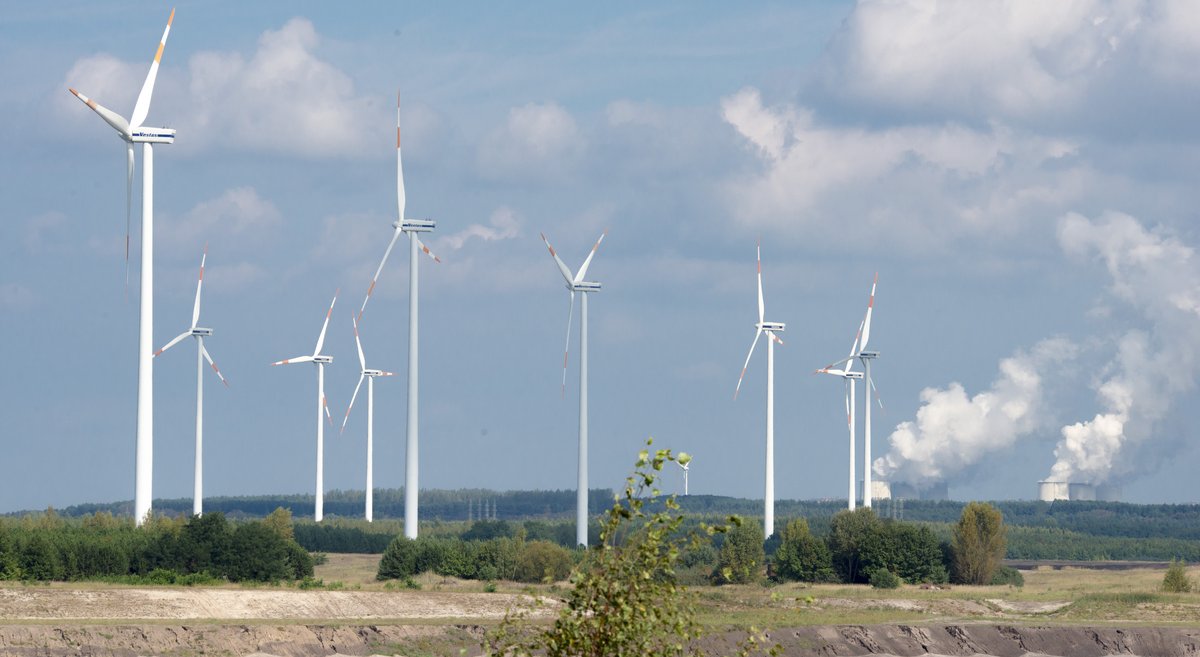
<point x="801" y="556"/>
<point x="1008" y="576"/>
<point x="741" y="557"/>
<point x="848" y="531"/>
<point x="1176" y="579"/>
<point x="882" y="578"/>
<point x="399" y="560"/>
<point x="542" y="561"/>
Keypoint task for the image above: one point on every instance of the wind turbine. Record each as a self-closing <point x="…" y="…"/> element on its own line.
<point x="369" y="375"/>
<point x="201" y="356"/>
<point x="322" y="404"/>
<point x="684" y="460"/>
<point x="770" y="329"/>
<point x="869" y="386"/>
<point x="850" y="377"/>
<point x="133" y="132"/>
<point x="575" y="284"/>
<point x="412" y="227"/>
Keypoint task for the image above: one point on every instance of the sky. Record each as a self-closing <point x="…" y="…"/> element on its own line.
<point x="1021" y="175"/>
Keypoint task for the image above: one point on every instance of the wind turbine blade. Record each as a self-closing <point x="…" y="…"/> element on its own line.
<point x="761" y="309"/>
<point x="110" y="117"/>
<point x="757" y="334"/>
<point x="878" y="398"/>
<point x="352" y="398"/>
<point x="562" y="267"/>
<point x="586" y="263"/>
<point x="421" y="245"/>
<point x="847" y="399"/>
<point x="375" y="278"/>
<point x="199" y="284"/>
<point x="292" y="361"/>
<point x="325" y="405"/>
<point x="128" y="203"/>
<point x="776" y="338"/>
<point x="142" y="107"/>
<point x="567" y="348"/>
<point x="174" y="341"/>
<point x="362" y="360"/>
<point x="400" y="199"/>
<point x="866" y="331"/>
<point x="213" y="365"/>
<point x="383" y="373"/>
<point x="321" y="338"/>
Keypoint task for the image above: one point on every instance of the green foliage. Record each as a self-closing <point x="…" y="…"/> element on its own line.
<point x="979" y="542"/>
<point x="848" y="532"/>
<point x="543" y="561"/>
<point x="801" y="556"/>
<point x="909" y="550"/>
<point x="1006" y="576"/>
<point x="399" y="559"/>
<point x="280" y="522"/>
<point x="1176" y="580"/>
<point x="741" y="558"/>
<point x="626" y="600"/>
<point x="10" y="567"/>
<point x="882" y="578"/>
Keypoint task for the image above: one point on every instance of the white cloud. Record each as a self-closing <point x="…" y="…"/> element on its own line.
<point x="502" y="225"/>
<point x="537" y="140"/>
<point x="237" y="218"/>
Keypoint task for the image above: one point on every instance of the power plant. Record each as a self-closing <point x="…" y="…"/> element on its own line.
<point x="1049" y="491"/>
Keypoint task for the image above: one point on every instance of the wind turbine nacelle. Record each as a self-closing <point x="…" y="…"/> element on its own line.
<point x="868" y="354"/>
<point x="323" y="359"/>
<point x="853" y="375"/>
<point x="153" y="136"/>
<point x="417" y="225"/>
<point x="772" y="326"/>
<point x="372" y="372"/>
<point x="202" y="332"/>
<point x="585" y="286"/>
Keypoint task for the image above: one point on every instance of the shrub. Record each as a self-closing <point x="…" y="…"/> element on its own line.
<point x="882" y="578"/>
<point x="542" y="561"/>
<point x="1008" y="576"/>
<point x="1176" y="579"/>
<point x="741" y="557"/>
<point x="801" y="556"/>
<point x="399" y="560"/>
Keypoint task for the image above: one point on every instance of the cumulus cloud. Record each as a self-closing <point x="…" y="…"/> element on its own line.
<point x="235" y="216"/>
<point x="281" y="98"/>
<point x="1157" y="276"/>
<point x="537" y="139"/>
<point x="502" y="225"/>
<point x="953" y="432"/>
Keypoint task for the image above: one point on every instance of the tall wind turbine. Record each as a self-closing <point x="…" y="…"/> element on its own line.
<point x="201" y="355"/>
<point x="133" y="132"/>
<point x="322" y="404"/>
<point x="770" y="329"/>
<point x="575" y="284"/>
<point x="369" y="375"/>
<point x="869" y="386"/>
<point x="850" y="377"/>
<point x="412" y="227"/>
<point x="684" y="460"/>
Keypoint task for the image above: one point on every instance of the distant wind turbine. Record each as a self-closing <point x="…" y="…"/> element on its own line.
<point x="201" y="356"/>
<point x="770" y="329"/>
<point x="575" y="284"/>
<point x="684" y="460"/>
<point x="133" y="132"/>
<point x="868" y="387"/>
<point x="369" y="375"/>
<point x="412" y="227"/>
<point x="322" y="405"/>
<point x="849" y="377"/>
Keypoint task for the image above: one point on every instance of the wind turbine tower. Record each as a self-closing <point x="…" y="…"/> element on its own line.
<point x="575" y="284"/>
<point x="320" y="360"/>
<point x="869" y="386"/>
<point x="369" y="375"/>
<point x="133" y="132"/>
<point x="684" y="460"/>
<point x="850" y="377"/>
<point x="201" y="356"/>
<point x="411" y="227"/>
<point x="770" y="329"/>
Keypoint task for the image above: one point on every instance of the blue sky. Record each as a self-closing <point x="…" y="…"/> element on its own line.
<point x="1022" y="177"/>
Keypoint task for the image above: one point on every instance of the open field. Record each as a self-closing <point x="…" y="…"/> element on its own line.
<point x="356" y="614"/>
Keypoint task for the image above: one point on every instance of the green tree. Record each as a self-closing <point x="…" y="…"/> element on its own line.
<point x="741" y="557"/>
<point x="848" y="531"/>
<point x="625" y="599"/>
<point x="542" y="561"/>
<point x="910" y="551"/>
<point x="801" y="556"/>
<point x="1176" y="579"/>
<point x="10" y="563"/>
<point x="979" y="542"/>
<point x="280" y="522"/>
<point x="261" y="554"/>
<point x="399" y="559"/>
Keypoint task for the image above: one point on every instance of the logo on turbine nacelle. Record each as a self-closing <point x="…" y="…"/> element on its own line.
<point x="323" y="359"/>
<point x="153" y="136"/>
<point x="202" y="331"/>
<point x="772" y="326"/>
<point x="417" y="225"/>
<point x="585" y="286"/>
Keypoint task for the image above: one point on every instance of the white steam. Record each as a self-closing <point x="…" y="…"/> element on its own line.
<point x="953" y="431"/>
<point x="1158" y="276"/>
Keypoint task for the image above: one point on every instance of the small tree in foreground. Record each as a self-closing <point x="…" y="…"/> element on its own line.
<point x="979" y="542"/>
<point x="1176" y="579"/>
<point x="626" y="599"/>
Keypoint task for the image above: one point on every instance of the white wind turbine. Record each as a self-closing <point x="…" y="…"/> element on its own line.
<point x="412" y="227"/>
<point x="201" y="355"/>
<point x="322" y="404"/>
<point x="770" y="329"/>
<point x="850" y="377"/>
<point x="133" y="132"/>
<point x="369" y="375"/>
<point x="575" y="284"/>
<point x="869" y="386"/>
<point x="684" y="460"/>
